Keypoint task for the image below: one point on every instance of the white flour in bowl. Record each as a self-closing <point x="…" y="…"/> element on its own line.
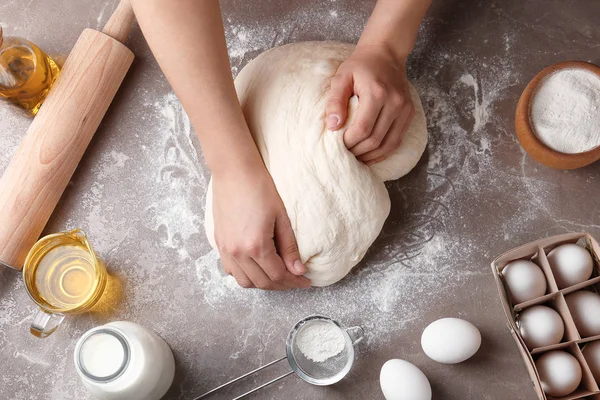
<point x="319" y="341"/>
<point x="565" y="111"/>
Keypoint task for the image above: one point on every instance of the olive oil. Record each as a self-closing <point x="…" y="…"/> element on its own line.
<point x="26" y="73"/>
<point x="65" y="277"/>
<point x="63" y="274"/>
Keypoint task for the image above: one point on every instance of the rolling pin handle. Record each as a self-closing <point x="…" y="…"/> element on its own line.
<point x="5" y="265"/>
<point x="119" y="24"/>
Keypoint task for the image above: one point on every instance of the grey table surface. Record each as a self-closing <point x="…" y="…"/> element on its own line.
<point x="139" y="193"/>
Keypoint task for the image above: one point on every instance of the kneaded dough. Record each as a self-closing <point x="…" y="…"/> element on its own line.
<point x="336" y="204"/>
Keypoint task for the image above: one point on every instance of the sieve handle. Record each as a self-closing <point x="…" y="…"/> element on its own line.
<point x="245" y="375"/>
<point x="264" y="385"/>
<point x="356" y="333"/>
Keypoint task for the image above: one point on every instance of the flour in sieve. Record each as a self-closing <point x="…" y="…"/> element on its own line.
<point x="565" y="112"/>
<point x="319" y="341"/>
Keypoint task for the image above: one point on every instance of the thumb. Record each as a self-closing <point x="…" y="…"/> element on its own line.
<point x="336" y="110"/>
<point x="286" y="245"/>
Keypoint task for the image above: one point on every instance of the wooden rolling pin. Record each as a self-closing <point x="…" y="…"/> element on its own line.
<point x="58" y="136"/>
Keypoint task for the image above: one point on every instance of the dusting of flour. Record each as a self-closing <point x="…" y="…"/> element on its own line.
<point x="319" y="341"/>
<point x="139" y="194"/>
<point x="414" y="262"/>
<point x="565" y="111"/>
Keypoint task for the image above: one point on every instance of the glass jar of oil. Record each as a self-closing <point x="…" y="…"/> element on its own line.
<point x="63" y="275"/>
<point x="26" y="73"/>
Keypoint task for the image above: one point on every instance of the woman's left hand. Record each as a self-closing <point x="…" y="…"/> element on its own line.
<point x="385" y="111"/>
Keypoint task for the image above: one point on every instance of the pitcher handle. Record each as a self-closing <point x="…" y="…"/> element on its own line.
<point x="356" y="333"/>
<point x="44" y="323"/>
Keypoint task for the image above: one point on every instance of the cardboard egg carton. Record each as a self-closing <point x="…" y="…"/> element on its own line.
<point x="572" y="341"/>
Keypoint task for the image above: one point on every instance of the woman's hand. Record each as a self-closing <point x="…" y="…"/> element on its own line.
<point x="376" y="73"/>
<point x="253" y="232"/>
<point x="378" y="77"/>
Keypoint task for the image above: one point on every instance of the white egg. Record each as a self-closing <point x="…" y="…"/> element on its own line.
<point x="571" y="264"/>
<point x="591" y="352"/>
<point x="401" y="380"/>
<point x="525" y="281"/>
<point x="450" y="340"/>
<point x="540" y="326"/>
<point x="585" y="310"/>
<point x="560" y="373"/>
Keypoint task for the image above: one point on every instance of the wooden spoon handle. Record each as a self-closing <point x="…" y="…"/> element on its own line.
<point x="119" y="24"/>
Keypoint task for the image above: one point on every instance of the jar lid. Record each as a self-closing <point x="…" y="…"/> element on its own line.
<point x="102" y="354"/>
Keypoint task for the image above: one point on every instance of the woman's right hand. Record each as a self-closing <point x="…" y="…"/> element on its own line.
<point x="253" y="233"/>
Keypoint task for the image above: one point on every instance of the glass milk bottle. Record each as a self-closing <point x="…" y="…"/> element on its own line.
<point x="124" y="361"/>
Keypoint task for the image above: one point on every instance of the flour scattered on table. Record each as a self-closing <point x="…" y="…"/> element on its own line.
<point x="413" y="264"/>
<point x="176" y="213"/>
<point x="481" y="104"/>
<point x="319" y="341"/>
<point x="105" y="229"/>
<point x="14" y="124"/>
<point x="246" y="40"/>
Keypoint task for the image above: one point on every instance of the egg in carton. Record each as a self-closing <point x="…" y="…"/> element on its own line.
<point x="549" y="292"/>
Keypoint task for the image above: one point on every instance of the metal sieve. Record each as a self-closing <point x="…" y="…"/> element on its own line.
<point x="327" y="372"/>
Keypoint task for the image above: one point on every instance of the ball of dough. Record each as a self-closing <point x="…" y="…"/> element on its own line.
<point x="571" y="264"/>
<point x="336" y="204"/>
<point x="584" y="307"/>
<point x="540" y="326"/>
<point x="560" y="373"/>
<point x="525" y="281"/>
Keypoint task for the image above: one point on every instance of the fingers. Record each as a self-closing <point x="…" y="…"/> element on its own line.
<point x="275" y="269"/>
<point x="287" y="248"/>
<point x="259" y="277"/>
<point x="391" y="142"/>
<point x="243" y="268"/>
<point x="378" y="134"/>
<point x="336" y="110"/>
<point x="375" y="161"/>
<point x="377" y="142"/>
<point x="231" y="267"/>
<point x="366" y="116"/>
<point x="260" y="267"/>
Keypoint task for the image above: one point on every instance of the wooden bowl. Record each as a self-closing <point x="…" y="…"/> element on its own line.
<point x="525" y="132"/>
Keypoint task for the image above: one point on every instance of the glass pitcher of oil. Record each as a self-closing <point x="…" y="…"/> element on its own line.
<point x="63" y="276"/>
<point x="26" y="73"/>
